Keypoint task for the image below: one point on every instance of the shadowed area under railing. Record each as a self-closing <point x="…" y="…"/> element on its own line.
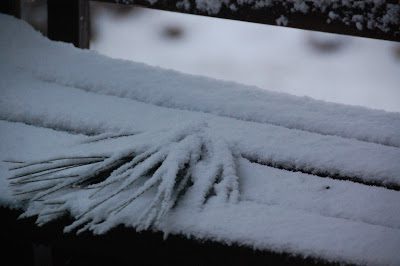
<point x="26" y="244"/>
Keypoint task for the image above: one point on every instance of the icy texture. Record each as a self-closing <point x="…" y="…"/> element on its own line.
<point x="74" y="110"/>
<point x="34" y="142"/>
<point x="171" y="161"/>
<point x="179" y="170"/>
<point x="175" y="90"/>
<point x="278" y="210"/>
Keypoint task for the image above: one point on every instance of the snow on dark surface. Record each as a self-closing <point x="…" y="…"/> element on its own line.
<point x="61" y="106"/>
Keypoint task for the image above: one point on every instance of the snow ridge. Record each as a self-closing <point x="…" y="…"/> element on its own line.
<point x="23" y="48"/>
<point x="180" y="170"/>
<point x="70" y="108"/>
<point x="278" y="210"/>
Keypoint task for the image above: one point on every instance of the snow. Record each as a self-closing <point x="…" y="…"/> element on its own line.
<point x="116" y="142"/>
<point x="169" y="89"/>
<point x="330" y="198"/>
<point x="274" y="213"/>
<point x="84" y="112"/>
<point x="16" y="137"/>
<point x="282" y="21"/>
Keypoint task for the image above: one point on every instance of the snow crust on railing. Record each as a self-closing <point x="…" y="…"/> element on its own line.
<point x="288" y="131"/>
<point x="278" y="210"/>
<point x="95" y="73"/>
<point x="166" y="155"/>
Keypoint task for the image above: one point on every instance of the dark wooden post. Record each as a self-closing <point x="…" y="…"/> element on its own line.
<point x="11" y="7"/>
<point x="69" y="21"/>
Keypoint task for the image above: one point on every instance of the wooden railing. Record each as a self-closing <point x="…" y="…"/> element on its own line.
<point x="68" y="20"/>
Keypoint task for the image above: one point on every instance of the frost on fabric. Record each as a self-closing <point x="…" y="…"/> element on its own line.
<point x="163" y="164"/>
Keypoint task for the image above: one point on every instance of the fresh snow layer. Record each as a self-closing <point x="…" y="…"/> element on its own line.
<point x="75" y="110"/>
<point x="279" y="210"/>
<point x="26" y="142"/>
<point x="92" y="72"/>
<point x="61" y="95"/>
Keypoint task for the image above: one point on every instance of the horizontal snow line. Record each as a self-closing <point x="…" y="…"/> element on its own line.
<point x="74" y="108"/>
<point x="90" y="71"/>
<point x="98" y="134"/>
<point x="329" y="197"/>
<point x="289" y="166"/>
<point x="40" y="123"/>
<point x="271" y="227"/>
<point x="107" y="136"/>
<point x="126" y="96"/>
<point x="245" y="199"/>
